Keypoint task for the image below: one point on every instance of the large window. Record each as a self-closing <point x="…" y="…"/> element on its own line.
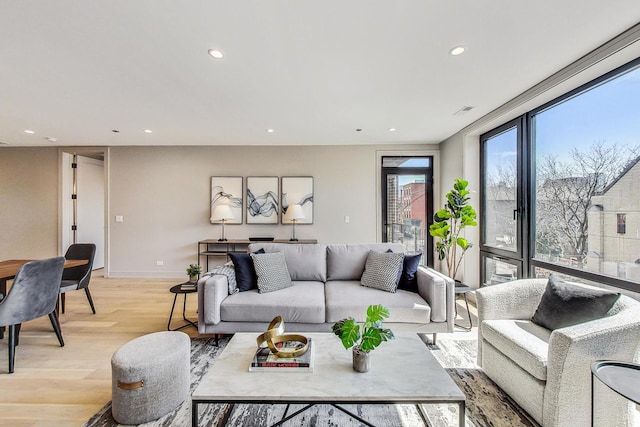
<point x="581" y="152"/>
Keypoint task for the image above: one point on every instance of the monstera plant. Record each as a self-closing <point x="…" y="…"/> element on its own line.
<point x="364" y="338"/>
<point x="449" y="222"/>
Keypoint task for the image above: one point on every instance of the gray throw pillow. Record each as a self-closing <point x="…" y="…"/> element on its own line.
<point x="271" y="271"/>
<point x="565" y="304"/>
<point x="382" y="271"/>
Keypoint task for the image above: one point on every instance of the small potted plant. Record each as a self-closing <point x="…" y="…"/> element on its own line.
<point x="193" y="271"/>
<point x="364" y="338"/>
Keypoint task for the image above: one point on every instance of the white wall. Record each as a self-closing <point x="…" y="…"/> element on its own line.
<point x="163" y="193"/>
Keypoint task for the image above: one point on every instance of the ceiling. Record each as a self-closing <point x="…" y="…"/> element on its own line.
<point x="313" y="71"/>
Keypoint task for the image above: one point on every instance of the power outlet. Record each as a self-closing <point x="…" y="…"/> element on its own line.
<point x="159" y="263"/>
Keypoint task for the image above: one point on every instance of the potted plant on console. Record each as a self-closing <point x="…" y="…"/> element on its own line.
<point x="363" y="338"/>
<point x="448" y="222"/>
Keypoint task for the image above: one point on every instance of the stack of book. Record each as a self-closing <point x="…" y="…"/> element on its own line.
<point x="265" y="360"/>
<point x="188" y="286"/>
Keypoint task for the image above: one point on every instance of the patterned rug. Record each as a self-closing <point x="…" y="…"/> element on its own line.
<point x="486" y="404"/>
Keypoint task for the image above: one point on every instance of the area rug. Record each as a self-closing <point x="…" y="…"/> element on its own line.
<point x="486" y="404"/>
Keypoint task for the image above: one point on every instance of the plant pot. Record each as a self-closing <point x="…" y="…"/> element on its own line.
<point x="361" y="360"/>
<point x="193" y="278"/>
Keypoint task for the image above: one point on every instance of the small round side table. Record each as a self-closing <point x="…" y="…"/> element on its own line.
<point x="463" y="289"/>
<point x="178" y="289"/>
<point x="621" y="377"/>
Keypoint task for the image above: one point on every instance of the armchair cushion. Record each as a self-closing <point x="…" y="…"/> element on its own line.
<point x="522" y="341"/>
<point x="564" y="304"/>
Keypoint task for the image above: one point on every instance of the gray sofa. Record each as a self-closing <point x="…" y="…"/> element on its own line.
<point x="326" y="288"/>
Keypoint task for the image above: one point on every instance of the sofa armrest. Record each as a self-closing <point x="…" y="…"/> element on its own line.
<point x="212" y="290"/>
<point x="571" y="352"/>
<point x="438" y="291"/>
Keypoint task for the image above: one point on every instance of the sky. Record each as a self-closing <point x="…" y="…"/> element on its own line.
<point x="609" y="113"/>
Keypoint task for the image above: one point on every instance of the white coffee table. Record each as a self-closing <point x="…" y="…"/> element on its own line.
<point x="403" y="371"/>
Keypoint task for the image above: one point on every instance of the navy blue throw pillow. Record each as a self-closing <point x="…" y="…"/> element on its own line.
<point x="246" y="278"/>
<point x="408" y="280"/>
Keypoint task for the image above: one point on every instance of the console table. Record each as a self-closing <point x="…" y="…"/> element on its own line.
<point x="216" y="248"/>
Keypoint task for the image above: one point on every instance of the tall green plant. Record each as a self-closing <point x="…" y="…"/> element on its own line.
<point x="448" y="222"/>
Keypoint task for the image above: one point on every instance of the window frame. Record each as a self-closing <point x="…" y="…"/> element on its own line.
<point x="527" y="186"/>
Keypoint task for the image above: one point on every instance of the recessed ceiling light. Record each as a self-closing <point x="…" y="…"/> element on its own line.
<point x="148" y="131"/>
<point x="28" y="131"/>
<point x="270" y="130"/>
<point x="358" y="130"/>
<point x="392" y="129"/>
<point x="458" y="50"/>
<point x="216" y="53"/>
<point x="115" y="131"/>
<point x="51" y="139"/>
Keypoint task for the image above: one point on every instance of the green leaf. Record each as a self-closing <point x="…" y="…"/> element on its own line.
<point x="348" y="331"/>
<point x="371" y="339"/>
<point x="442" y="215"/>
<point x="377" y="313"/>
<point x="462" y="242"/>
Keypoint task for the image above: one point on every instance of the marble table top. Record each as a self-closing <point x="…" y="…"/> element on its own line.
<point x="402" y="371"/>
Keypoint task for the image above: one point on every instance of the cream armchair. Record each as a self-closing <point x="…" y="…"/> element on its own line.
<point x="548" y="372"/>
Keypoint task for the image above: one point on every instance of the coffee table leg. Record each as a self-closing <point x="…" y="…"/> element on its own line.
<point x="194" y="414"/>
<point x="461" y="421"/>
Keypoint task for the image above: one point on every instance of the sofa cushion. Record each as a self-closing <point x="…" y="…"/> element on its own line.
<point x="565" y="304"/>
<point x="304" y="261"/>
<point x="346" y="262"/>
<point x="522" y="341"/>
<point x="271" y="272"/>
<point x="382" y="271"/>
<point x="303" y="303"/>
<point x="245" y="272"/>
<point x="346" y="298"/>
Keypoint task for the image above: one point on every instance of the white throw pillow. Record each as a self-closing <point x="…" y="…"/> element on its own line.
<point x="271" y="271"/>
<point x="382" y="271"/>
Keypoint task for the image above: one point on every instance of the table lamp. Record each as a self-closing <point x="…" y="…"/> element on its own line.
<point x="222" y="214"/>
<point x="294" y="214"/>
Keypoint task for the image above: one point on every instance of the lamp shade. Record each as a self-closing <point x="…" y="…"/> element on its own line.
<point x="222" y="213"/>
<point x="294" y="213"/>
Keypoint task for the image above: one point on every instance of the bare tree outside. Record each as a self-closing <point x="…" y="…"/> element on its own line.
<point x="565" y="189"/>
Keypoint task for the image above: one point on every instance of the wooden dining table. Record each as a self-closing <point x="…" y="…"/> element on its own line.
<point x="9" y="269"/>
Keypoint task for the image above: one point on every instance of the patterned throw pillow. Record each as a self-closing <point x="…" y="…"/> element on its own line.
<point x="382" y="271"/>
<point x="271" y="270"/>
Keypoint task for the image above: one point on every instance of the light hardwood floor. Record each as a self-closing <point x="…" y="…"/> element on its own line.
<point x="63" y="386"/>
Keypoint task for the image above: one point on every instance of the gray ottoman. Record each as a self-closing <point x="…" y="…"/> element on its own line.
<point x="150" y="377"/>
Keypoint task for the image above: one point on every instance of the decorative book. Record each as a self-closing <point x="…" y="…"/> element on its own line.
<point x="187" y="286"/>
<point x="265" y="360"/>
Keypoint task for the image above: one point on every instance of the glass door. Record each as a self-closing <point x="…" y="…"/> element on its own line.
<point x="501" y="248"/>
<point x="407" y="203"/>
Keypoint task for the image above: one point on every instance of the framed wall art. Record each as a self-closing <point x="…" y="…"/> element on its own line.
<point x="227" y="190"/>
<point x="262" y="200"/>
<point x="298" y="190"/>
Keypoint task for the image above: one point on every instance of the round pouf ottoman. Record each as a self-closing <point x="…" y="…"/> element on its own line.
<point x="150" y="377"/>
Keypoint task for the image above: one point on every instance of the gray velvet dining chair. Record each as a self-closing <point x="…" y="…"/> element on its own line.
<point x="76" y="278"/>
<point x="33" y="294"/>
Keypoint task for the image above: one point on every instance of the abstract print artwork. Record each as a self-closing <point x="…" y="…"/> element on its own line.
<point x="227" y="190"/>
<point x="298" y="190"/>
<point x="262" y="200"/>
